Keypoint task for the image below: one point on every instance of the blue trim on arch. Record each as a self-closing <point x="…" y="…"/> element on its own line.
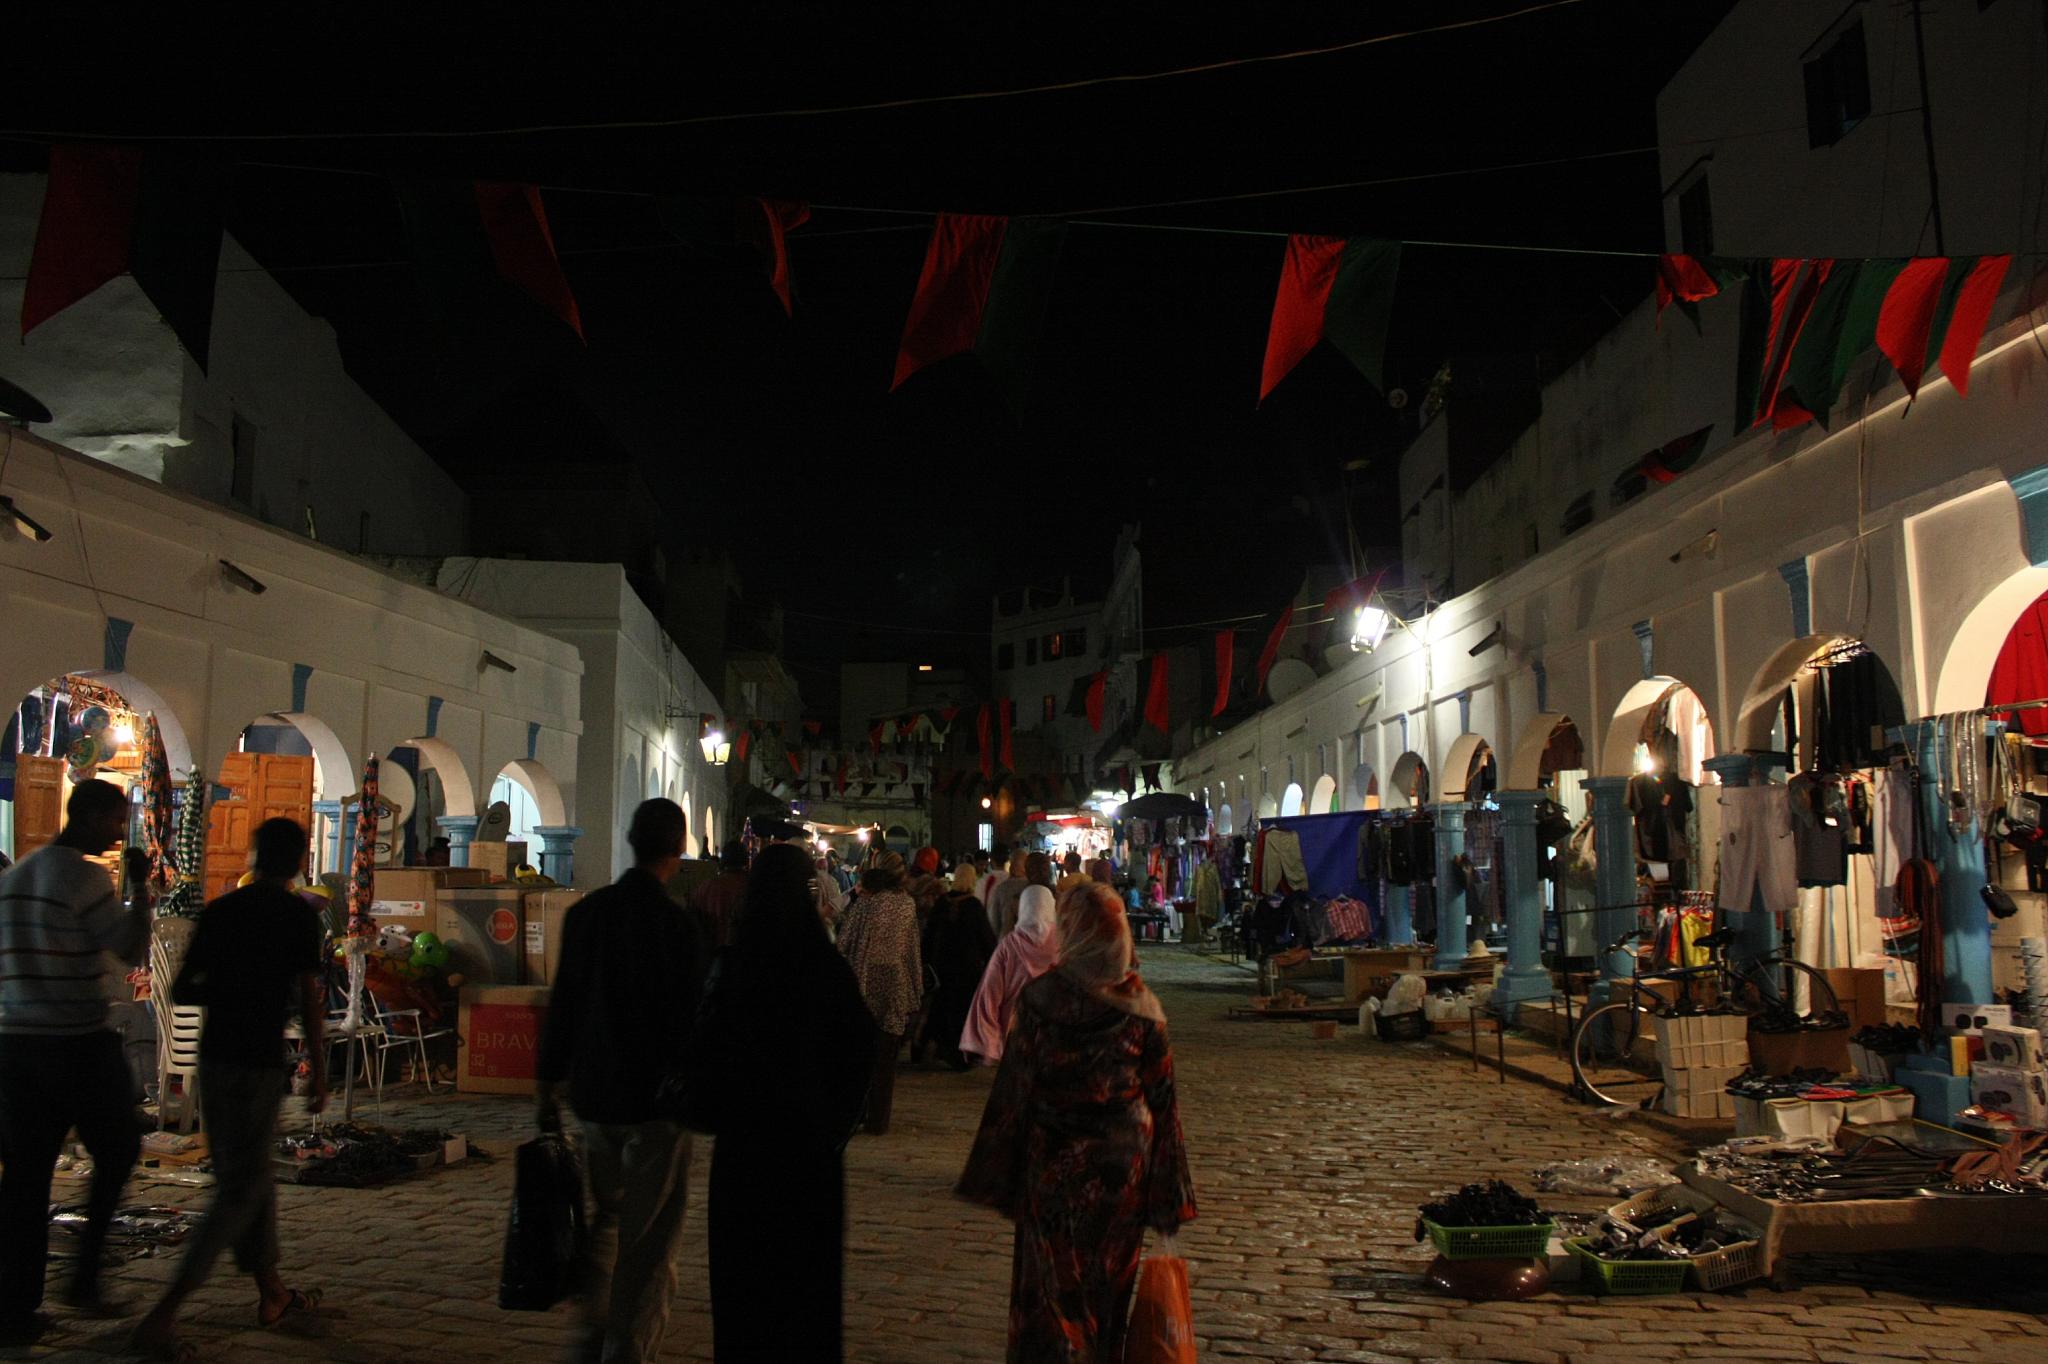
<point x="1646" y="641"/>
<point x="1799" y="584"/>
<point x="302" y="673"/>
<point x="1404" y="731"/>
<point x="2031" y="488"/>
<point x="433" y="716"/>
<point x="1464" y="712"/>
<point x="532" y="739"/>
<point x="114" y="651"/>
<point x="1542" y="684"/>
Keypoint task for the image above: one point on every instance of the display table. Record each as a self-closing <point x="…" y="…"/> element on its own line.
<point x="1372" y="970"/>
<point x="1870" y="1225"/>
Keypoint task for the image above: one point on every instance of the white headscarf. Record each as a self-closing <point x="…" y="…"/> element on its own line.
<point x="1035" y="913"/>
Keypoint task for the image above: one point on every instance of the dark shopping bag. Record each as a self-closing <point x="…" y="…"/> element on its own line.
<point x="1162" y="1327"/>
<point x="544" y="1238"/>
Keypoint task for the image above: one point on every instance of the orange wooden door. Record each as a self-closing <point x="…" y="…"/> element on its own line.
<point x="227" y="845"/>
<point x="38" y="802"/>
<point x="283" y="787"/>
<point x="238" y="772"/>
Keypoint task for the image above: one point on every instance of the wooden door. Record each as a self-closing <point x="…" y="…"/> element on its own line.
<point x="283" y="787"/>
<point x="238" y="773"/>
<point x="227" y="845"/>
<point x="38" y="802"/>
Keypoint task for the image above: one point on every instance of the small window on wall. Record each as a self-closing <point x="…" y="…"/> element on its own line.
<point x="985" y="837"/>
<point x="1075" y="643"/>
<point x="1579" y="514"/>
<point x="1050" y="708"/>
<point x="1052" y="647"/>
<point x="1696" y="218"/>
<point x="1006" y="656"/>
<point x="1837" y="86"/>
<point x="1031" y="651"/>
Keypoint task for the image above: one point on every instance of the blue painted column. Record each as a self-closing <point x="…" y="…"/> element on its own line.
<point x="1754" y="922"/>
<point x="330" y="838"/>
<point x="558" y="851"/>
<point x="1522" y="887"/>
<point x="1400" y="926"/>
<point x="348" y="839"/>
<point x="1452" y="925"/>
<point x="1959" y="868"/>
<point x="459" y="829"/>
<point x="1614" y="885"/>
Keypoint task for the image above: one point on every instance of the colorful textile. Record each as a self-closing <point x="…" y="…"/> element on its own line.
<point x="878" y="935"/>
<point x="1020" y="958"/>
<point x="1080" y="1144"/>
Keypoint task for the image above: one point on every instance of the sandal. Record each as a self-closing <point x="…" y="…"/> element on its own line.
<point x="297" y="1302"/>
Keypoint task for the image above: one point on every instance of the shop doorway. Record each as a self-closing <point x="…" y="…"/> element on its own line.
<point x="1363" y="792"/>
<point x="533" y="797"/>
<point x="1226" y="820"/>
<point x="1660" y="725"/>
<point x="1470" y="769"/>
<point x="1290" y="799"/>
<point x="1409" y="785"/>
<point x="1323" y="799"/>
<point x="426" y="779"/>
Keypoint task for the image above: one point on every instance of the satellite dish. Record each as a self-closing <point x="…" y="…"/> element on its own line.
<point x="1290" y="677"/>
<point x="496" y="825"/>
<point x="20" y="407"/>
<point x="1397" y="398"/>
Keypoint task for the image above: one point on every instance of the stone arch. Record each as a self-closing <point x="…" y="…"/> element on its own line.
<point x="1759" y="711"/>
<point x="333" y="774"/>
<point x="1525" y="769"/>
<point x="1323" y="799"/>
<point x="1467" y="756"/>
<point x="1226" y="820"/>
<point x="457" y="789"/>
<point x="139" y="694"/>
<point x="1409" y="784"/>
<point x="1624" y="730"/>
<point x="1290" y="799"/>
<point x="1268" y="807"/>
<point x="534" y="778"/>
<point x="1964" y="679"/>
<point x="1363" y="790"/>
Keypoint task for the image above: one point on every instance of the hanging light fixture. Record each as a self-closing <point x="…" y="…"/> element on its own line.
<point x="1368" y="627"/>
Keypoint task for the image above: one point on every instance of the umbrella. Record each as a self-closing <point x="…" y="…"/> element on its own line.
<point x="188" y="895"/>
<point x="156" y="803"/>
<point x="1164" y="805"/>
<point x="362" y="886"/>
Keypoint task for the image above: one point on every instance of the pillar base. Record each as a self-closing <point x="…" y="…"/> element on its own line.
<point x="558" y="851"/>
<point x="1517" y="985"/>
<point x="460" y="829"/>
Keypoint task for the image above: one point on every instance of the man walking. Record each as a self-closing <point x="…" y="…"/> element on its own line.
<point x="60" y="1062"/>
<point x="718" y="901"/>
<point x="625" y="995"/>
<point x="256" y="956"/>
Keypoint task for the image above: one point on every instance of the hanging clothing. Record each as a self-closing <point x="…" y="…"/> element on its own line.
<point x="1281" y="866"/>
<point x="1819" y="839"/>
<point x="1892" y="832"/>
<point x="1660" y="802"/>
<point x="1208" y="899"/>
<point x="1757" y="853"/>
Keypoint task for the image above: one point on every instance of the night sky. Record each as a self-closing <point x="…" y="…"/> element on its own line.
<point x="778" y="438"/>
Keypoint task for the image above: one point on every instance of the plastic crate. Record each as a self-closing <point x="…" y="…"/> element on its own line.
<point x="1728" y="1266"/>
<point x="1407" y="1027"/>
<point x="1630" y="1278"/>
<point x="1491" y="1243"/>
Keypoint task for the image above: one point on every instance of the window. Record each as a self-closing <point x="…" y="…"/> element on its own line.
<point x="985" y="837"/>
<point x="1696" y="218"/>
<point x="1052" y="646"/>
<point x="1837" y="86"/>
<point x="1031" y="651"/>
<point x="1579" y="514"/>
<point x="1074" y="643"/>
<point x="1629" y="485"/>
<point x="1051" y="708"/>
<point x="1006" y="656"/>
<point x="242" y="476"/>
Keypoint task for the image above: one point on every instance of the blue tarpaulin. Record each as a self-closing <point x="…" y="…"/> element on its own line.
<point x="1329" y="849"/>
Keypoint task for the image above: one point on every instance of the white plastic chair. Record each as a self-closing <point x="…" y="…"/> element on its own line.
<point x="403" y="1030"/>
<point x="177" y="1029"/>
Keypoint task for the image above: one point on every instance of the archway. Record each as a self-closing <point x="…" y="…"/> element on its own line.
<point x="1323" y="799"/>
<point x="87" y="723"/>
<point x="426" y="779"/>
<point x="710" y="839"/>
<point x="1661" y="724"/>
<point x="1268" y="807"/>
<point x="1290" y="799"/>
<point x="535" y="799"/>
<point x="282" y="764"/>
<point x="1409" y="784"/>
<point x="1468" y="768"/>
<point x="1363" y="791"/>
<point x="1780" y="711"/>
<point x="1964" y="681"/>
<point x="1226" y="822"/>
<point x="1548" y="744"/>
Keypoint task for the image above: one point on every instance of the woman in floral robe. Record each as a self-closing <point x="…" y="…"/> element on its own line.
<point x="1080" y="1144"/>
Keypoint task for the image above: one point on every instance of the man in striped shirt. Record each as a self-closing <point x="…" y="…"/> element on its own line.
<point x="60" y="1062"/>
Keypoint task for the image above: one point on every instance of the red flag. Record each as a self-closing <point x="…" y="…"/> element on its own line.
<point x="796" y="768"/>
<point x="743" y="744"/>
<point x="948" y="715"/>
<point x="524" y="249"/>
<point x="779" y="217"/>
<point x="1156" y="712"/>
<point x="1271" y="651"/>
<point x="1096" y="687"/>
<point x="1226" y="651"/>
<point x="875" y="739"/>
<point x="1009" y="718"/>
<point x="1795" y="285"/>
<point x="87" y="229"/>
<point x="1306" y="278"/>
<point x="1906" y="318"/>
<point x="952" y="291"/>
<point x="1682" y="279"/>
<point x="839" y="777"/>
<point x="814" y="727"/>
<point x="988" y="764"/>
<point x="1966" y="323"/>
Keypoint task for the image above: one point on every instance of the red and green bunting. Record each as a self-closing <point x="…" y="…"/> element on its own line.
<point x="984" y="288"/>
<point x="516" y="225"/>
<point x="1334" y="289"/>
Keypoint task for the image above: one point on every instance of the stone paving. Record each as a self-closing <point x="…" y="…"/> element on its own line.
<point x="1309" y="1158"/>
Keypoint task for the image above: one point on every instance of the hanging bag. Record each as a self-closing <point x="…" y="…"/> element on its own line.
<point x="1162" y="1327"/>
<point x="545" y="1233"/>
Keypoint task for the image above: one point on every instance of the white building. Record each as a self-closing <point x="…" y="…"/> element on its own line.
<point x="1582" y="594"/>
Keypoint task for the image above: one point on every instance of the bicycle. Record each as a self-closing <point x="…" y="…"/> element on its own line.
<point x="1609" y="1062"/>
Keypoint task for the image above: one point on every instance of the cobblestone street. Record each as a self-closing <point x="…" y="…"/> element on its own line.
<point x="1309" y="1158"/>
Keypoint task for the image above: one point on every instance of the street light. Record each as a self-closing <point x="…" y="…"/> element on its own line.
<point x="717" y="748"/>
<point x="1369" y="627"/>
<point x="986" y="802"/>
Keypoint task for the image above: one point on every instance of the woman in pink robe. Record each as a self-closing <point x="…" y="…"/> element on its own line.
<point x="1020" y="958"/>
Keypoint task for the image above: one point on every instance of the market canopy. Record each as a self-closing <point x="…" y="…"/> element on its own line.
<point x="1165" y="805"/>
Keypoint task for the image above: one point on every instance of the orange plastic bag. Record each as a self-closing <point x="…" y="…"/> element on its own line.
<point x="1162" y="1316"/>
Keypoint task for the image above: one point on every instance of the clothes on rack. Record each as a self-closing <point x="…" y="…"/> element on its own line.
<point x="1820" y="814"/>
<point x="1280" y="864"/>
<point x="1660" y="802"/>
<point x="1757" y="851"/>
<point x="1850" y="702"/>
<point x="1895" y="791"/>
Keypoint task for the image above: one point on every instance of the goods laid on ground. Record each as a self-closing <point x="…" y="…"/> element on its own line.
<point x="356" y="1155"/>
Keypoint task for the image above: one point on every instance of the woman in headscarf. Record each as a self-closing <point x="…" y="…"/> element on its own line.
<point x="1020" y="958"/>
<point x="782" y="1002"/>
<point x="878" y="935"/>
<point x="957" y="945"/>
<point x="1080" y="1144"/>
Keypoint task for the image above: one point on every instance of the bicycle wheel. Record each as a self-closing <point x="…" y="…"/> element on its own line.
<point x="1604" y="1061"/>
<point x="1801" y="993"/>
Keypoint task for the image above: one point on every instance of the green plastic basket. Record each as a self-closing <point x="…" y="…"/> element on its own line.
<point x="1630" y="1278"/>
<point x="1491" y="1243"/>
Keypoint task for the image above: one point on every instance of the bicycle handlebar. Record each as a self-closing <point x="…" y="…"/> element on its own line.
<point x="1621" y="943"/>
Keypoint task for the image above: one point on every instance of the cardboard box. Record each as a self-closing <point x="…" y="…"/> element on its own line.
<point x="485" y="929"/>
<point x="1859" y="992"/>
<point x="498" y="859"/>
<point x="546" y="911"/>
<point x="406" y="895"/>
<point x="500" y="1028"/>
<point x="2007" y="1089"/>
<point x="2019" y="1048"/>
<point x="1701" y="990"/>
<point x="1970" y="1020"/>
<point x="1781" y="1053"/>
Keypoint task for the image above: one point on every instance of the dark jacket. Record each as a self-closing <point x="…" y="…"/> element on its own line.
<point x="627" y="988"/>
